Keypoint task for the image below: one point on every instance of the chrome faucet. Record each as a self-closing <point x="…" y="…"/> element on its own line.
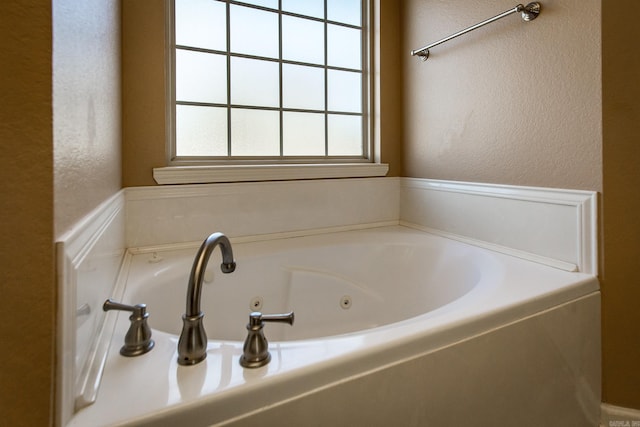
<point x="192" y="346"/>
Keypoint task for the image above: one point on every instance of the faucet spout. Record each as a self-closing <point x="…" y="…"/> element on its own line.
<point x="192" y="346"/>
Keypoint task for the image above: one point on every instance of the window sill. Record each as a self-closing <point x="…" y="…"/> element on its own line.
<point x="238" y="173"/>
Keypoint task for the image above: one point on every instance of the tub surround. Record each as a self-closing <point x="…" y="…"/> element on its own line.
<point x="557" y="350"/>
<point x="89" y="261"/>
<point x="554" y="226"/>
<point x="543" y="220"/>
<point x="185" y="213"/>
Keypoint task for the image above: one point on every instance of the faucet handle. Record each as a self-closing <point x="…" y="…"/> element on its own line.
<point x="138" y="340"/>
<point x="256" y="347"/>
<point x="138" y="309"/>
<point x="256" y="318"/>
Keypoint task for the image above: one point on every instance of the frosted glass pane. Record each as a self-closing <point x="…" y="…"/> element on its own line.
<point x="313" y="8"/>
<point x="302" y="87"/>
<point x="255" y="133"/>
<point x="303" y="134"/>
<point x="201" y="131"/>
<point x="343" y="47"/>
<point x="255" y="82"/>
<point x="302" y="40"/>
<point x="201" y="23"/>
<point x="254" y="31"/>
<point x="345" y="11"/>
<point x="344" y="91"/>
<point x="345" y="135"/>
<point x="201" y="77"/>
<point x="266" y="3"/>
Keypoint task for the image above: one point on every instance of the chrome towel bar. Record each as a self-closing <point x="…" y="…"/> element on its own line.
<point x="528" y="12"/>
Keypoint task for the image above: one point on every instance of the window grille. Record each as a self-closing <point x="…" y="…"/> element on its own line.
<point x="269" y="80"/>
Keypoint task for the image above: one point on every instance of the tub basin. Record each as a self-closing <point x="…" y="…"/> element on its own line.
<point x="336" y="283"/>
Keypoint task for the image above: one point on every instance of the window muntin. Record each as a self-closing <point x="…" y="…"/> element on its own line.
<point x="286" y="85"/>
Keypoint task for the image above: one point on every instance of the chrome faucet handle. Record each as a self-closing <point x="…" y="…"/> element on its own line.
<point x="256" y="316"/>
<point x="255" y="352"/>
<point x="138" y="340"/>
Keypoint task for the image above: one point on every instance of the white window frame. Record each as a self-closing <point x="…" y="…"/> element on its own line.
<point x="206" y="170"/>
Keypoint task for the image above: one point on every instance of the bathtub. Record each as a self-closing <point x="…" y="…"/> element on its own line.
<point x="393" y="325"/>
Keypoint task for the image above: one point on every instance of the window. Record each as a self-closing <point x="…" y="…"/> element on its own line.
<point x="269" y="81"/>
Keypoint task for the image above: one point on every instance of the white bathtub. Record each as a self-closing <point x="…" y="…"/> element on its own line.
<point x="393" y="325"/>
<point x="336" y="283"/>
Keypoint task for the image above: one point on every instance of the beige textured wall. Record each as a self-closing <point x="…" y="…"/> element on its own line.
<point x="144" y="89"/>
<point x="390" y="106"/>
<point x="27" y="277"/>
<point x="60" y="128"/>
<point x="86" y="87"/>
<point x="621" y="200"/>
<point x="512" y="102"/>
